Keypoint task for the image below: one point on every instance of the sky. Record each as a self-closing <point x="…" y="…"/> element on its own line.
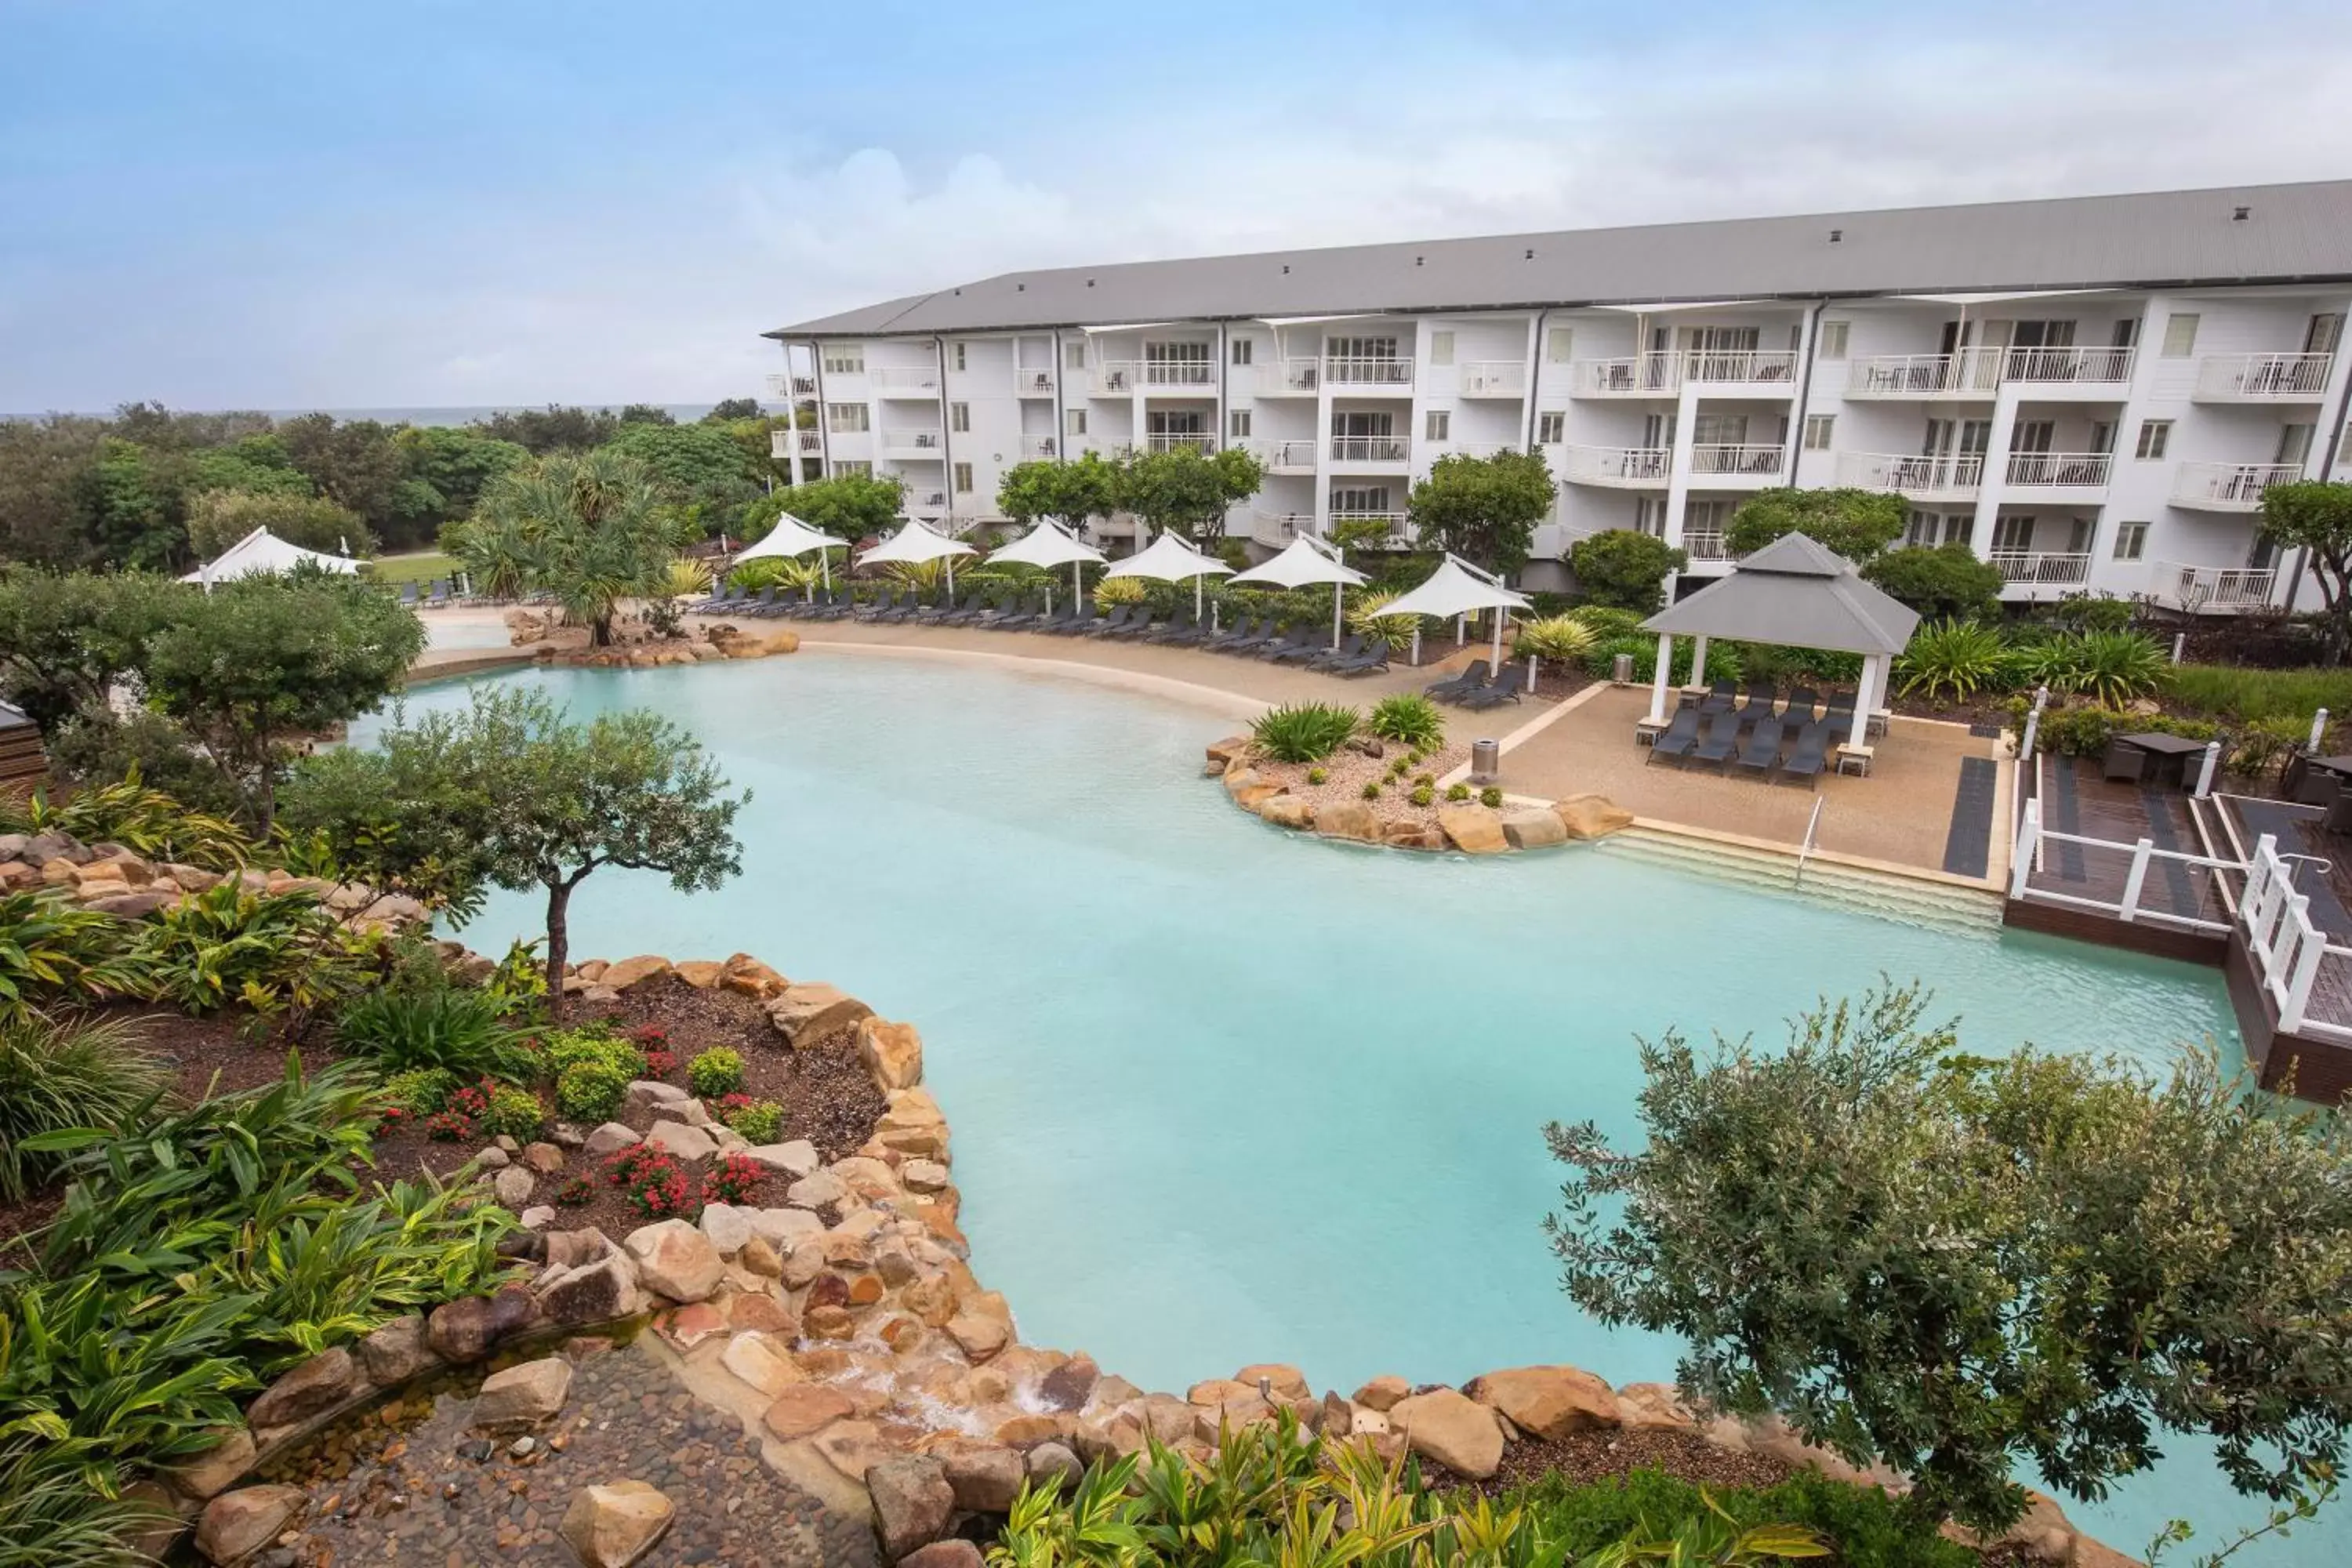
<point x="248" y="204"/>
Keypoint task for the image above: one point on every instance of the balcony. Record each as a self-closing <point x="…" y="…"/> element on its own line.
<point x="1184" y="377"/>
<point x="1285" y="456"/>
<point x="2214" y="590"/>
<point x="1040" y="447"/>
<point x="2037" y="569"/>
<point x="1487" y="448"/>
<point x="795" y="443"/>
<point x="904" y="381"/>
<point x="2059" y="471"/>
<point x="2263" y="378"/>
<point x="1706" y="545"/>
<point x="1341" y="369"/>
<point x="1916" y="478"/>
<point x="1290" y="378"/>
<point x="1371" y="449"/>
<point x="926" y="500"/>
<point x="783" y="388"/>
<point x="1771" y="370"/>
<point x="2229" y="487"/>
<point x="1491" y="378"/>
<point x="1626" y="467"/>
<point x="1970" y="372"/>
<point x="1033" y="381"/>
<point x="1276" y="528"/>
<point x="1718" y="461"/>
<point x="928" y="443"/>
<point x="2068" y="366"/>
<point x="1170" y="440"/>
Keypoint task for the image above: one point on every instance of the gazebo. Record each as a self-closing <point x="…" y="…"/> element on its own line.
<point x="1798" y="594"/>
<point x="790" y="539"/>
<point x="1304" y="563"/>
<point x="262" y="550"/>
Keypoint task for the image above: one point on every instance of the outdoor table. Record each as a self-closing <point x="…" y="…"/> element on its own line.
<point x="2171" y="752"/>
<point x="2340" y="767"/>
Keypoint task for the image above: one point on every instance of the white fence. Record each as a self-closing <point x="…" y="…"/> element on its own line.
<point x="2285" y="946"/>
<point x="2033" y="839"/>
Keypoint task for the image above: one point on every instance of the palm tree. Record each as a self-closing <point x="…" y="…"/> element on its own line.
<point x="587" y="527"/>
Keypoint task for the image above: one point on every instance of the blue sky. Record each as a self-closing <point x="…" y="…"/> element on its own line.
<point x="281" y="206"/>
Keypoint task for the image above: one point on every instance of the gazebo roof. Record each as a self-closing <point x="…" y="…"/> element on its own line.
<point x="1796" y="593"/>
<point x="1046" y="545"/>
<point x="790" y="537"/>
<point x="262" y="550"/>
<point x="1168" y="559"/>
<point x="1304" y="563"/>
<point x="915" y="544"/>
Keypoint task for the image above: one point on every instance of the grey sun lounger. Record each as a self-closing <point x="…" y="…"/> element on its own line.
<point x="1373" y="658"/>
<point x="1082" y="620"/>
<point x="873" y="609"/>
<point x="1136" y="625"/>
<point x="1674" y="742"/>
<point x="1761" y="753"/>
<point x="1242" y="631"/>
<point x="1469" y="679"/>
<point x="1806" y="758"/>
<point x="1310" y="652"/>
<point x="1721" y="740"/>
<point x="1763" y="697"/>
<point x="1802" y="700"/>
<point x="1505" y="688"/>
<point x="1720" y="697"/>
<point x="1269" y="636"/>
<point x="1114" y="623"/>
<point x="1298" y="639"/>
<point x="1347" y="650"/>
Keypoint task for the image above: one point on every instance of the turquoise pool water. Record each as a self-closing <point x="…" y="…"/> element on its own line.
<point x="1223" y="1094"/>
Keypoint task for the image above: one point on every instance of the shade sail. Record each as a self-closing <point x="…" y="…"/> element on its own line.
<point x="1303" y="562"/>
<point x="262" y="550"/>
<point x="914" y="544"/>
<point x="1168" y="559"/>
<point x="1797" y="593"/>
<point x="1455" y="588"/>
<point x="790" y="537"/>
<point x="1047" y="546"/>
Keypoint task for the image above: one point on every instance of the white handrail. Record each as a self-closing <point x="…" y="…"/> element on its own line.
<point x="2284" y="944"/>
<point x="2032" y="835"/>
<point x="1805" y="849"/>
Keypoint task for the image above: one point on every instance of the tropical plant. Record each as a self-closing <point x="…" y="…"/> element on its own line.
<point x="1710" y="1539"/>
<point x="1624" y="568"/>
<point x="445" y="1026"/>
<point x="272" y="952"/>
<point x="685" y="576"/>
<point x="1115" y="590"/>
<point x="60" y="1072"/>
<point x="1187" y="490"/>
<point x="1368" y="618"/>
<point x="760" y="1120"/>
<point x="715" y="1072"/>
<point x="147" y="822"/>
<point x="1409" y="719"/>
<point x="1958" y="660"/>
<point x="590" y="528"/>
<point x="2110" y="668"/>
<point x="53" y="1516"/>
<point x="50" y="948"/>
<point x="514" y="1114"/>
<point x="590" y="1091"/>
<point x="1303" y="731"/>
<point x="1561" y="638"/>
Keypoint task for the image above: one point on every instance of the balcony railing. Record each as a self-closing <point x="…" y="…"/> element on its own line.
<point x="2078" y="470"/>
<point x="1121" y="377"/>
<point x="1642" y="374"/>
<point x="2036" y="568"/>
<point x="2211" y="587"/>
<point x="1910" y="474"/>
<point x="1343" y="370"/>
<point x="1924" y="375"/>
<point x="1706" y="545"/>
<point x="917" y="443"/>
<point x="795" y="443"/>
<point x="1371" y="449"/>
<point x="1287" y="457"/>
<point x="1169" y="440"/>
<point x="1033" y="381"/>
<point x="1491" y="378"/>
<point x="2229" y="487"/>
<point x="1487" y="448"/>
<point x="781" y="388"/>
<point x="902" y="379"/>
<point x="1725" y="458"/>
<point x="2263" y="378"/>
<point x="2068" y="364"/>
<point x="1040" y="447"/>
<point x="1290" y="375"/>
<point x="1745" y="366"/>
<point x="1276" y="528"/>
<point x="1616" y="465"/>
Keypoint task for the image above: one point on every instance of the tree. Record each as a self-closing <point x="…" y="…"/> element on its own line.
<point x="700" y="470"/>
<point x="354" y="463"/>
<point x="262" y="662"/>
<point x="521" y="798"/>
<point x="257" y="463"/>
<point x="42" y="465"/>
<point x="1484" y="508"/>
<point x="130" y="509"/>
<point x="1188" y="490"/>
<point x="443" y="470"/>
<point x="848" y="505"/>
<point x="1953" y="1264"/>
<point x="1855" y="524"/>
<point x="66" y="638"/>
<point x="1072" y="492"/>
<point x="727" y="409"/>
<point x="2316" y="516"/>
<point x="1944" y="581"/>
<point x="1625" y="569"/>
<point x="646" y="414"/>
<point x="218" y="519"/>
<point x="588" y="528"/>
<point x="555" y="428"/>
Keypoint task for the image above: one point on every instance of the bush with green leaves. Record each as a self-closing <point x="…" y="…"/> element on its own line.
<point x="1560" y="639"/>
<point x="1458" y="792"/>
<point x="2110" y="668"/>
<point x="147" y="822"/>
<point x="1724" y="661"/>
<point x="274" y="952"/>
<point x="1409" y="719"/>
<point x="1371" y="790"/>
<point x="1625" y="569"/>
<point x="514" y="1114"/>
<point x="1318" y="775"/>
<point x="590" y="1091"/>
<point x="420" y="1091"/>
<point x="716" y="1071"/>
<point x="58" y="1073"/>
<point x="51" y="949"/>
<point x="1368" y="617"/>
<point x="1303" y="731"/>
<point x="1944" y="582"/>
<point x="1955" y="659"/>
<point x="1491" y="798"/>
<point x="761" y="1121"/>
<point x="1422" y="794"/>
<point x="592" y="1045"/>
<point x="2234" y="691"/>
<point x="444" y="1026"/>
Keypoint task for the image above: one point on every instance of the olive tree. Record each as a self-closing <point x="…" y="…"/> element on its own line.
<point x="1855" y="524"/>
<point x="1484" y="508"/>
<point x="2316" y="516"/>
<point x="1955" y="1264"/>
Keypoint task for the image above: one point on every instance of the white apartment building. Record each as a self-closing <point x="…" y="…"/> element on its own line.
<point x="2092" y="393"/>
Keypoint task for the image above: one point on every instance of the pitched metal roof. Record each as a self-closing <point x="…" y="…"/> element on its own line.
<point x="2290" y="233"/>
<point x="1796" y="593"/>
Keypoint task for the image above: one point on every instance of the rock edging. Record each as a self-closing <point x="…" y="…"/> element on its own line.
<point x="115" y="880"/>
<point x="1465" y="827"/>
<point x="718" y="642"/>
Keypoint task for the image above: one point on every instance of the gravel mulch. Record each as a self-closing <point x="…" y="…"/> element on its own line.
<point x="1349" y="771"/>
<point x="1593" y="1456"/>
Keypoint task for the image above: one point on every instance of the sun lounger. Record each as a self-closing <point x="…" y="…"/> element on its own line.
<point x="1763" y="697"/>
<point x="1720" y="697"/>
<point x="1840" y="708"/>
<point x="1374" y="657"/>
<point x="1305" y="653"/>
<point x="408" y="594"/>
<point x="1114" y="623"/>
<point x="1722" y="738"/>
<point x="1347" y="650"/>
<point x="1806" y="758"/>
<point x="1802" y="700"/>
<point x="1681" y="733"/>
<point x="1297" y="639"/>
<point x="1081" y="621"/>
<point x="1184" y="632"/>
<point x="872" y="609"/>
<point x="1271" y="636"/>
<point x="1249" y="627"/>
<point x="1761" y="753"/>
<point x="1469" y="679"/>
<point x="440" y="600"/>
<point x="1136" y="625"/>
<point x="963" y="614"/>
<point x="1505" y="688"/>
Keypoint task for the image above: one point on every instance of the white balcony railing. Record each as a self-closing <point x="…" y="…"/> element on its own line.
<point x="2067" y="364"/>
<point x="1371" y="449"/>
<point x="1033" y="381"/>
<point x="1040" y="447"/>
<point x="2211" y="587"/>
<point x="783" y="388"/>
<point x="1630" y="375"/>
<point x="1345" y="370"/>
<point x="2036" y="568"/>
<point x="1491" y="378"/>
<point x="2229" y="487"/>
<point x="915" y="443"/>
<point x="1638" y="375"/>
<point x="897" y="379"/>
<point x="795" y="443"/>
<point x="1725" y="458"/>
<point x="1706" y="545"/>
<point x="1746" y="366"/>
<point x="1118" y="377"/>
<point x="2263" y="378"/>
<point x="1911" y="474"/>
<point x="1290" y="375"/>
<point x="1276" y="528"/>
<point x="1170" y="440"/>
<point x="1616" y="465"/>
<point x="1287" y="457"/>
<point x="1924" y="375"/>
<point x="2049" y="470"/>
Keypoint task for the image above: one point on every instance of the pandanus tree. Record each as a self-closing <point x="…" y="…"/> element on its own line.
<point x="590" y="528"/>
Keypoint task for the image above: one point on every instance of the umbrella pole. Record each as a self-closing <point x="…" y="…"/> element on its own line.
<point x="1499" y="639"/>
<point x="950" y="604"/>
<point x="1077" y="588"/>
<point x="825" y="566"/>
<point x="1336" y="591"/>
<point x="1200" y="592"/>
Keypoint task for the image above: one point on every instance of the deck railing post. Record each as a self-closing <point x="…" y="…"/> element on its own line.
<point x="2033" y="724"/>
<point x="2310" y="948"/>
<point x="2318" y="729"/>
<point x="2205" y="773"/>
<point x="2137" y="875"/>
<point x="2021" y="865"/>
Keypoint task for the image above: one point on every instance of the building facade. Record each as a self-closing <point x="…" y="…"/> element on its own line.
<point x="2092" y="394"/>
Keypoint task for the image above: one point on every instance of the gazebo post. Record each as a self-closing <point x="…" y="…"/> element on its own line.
<point x="1873" y="680"/>
<point x="1698" y="661"/>
<point x="1658" y="685"/>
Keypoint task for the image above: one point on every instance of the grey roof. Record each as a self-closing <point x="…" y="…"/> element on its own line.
<point x="1797" y="593"/>
<point x="2291" y="233"/>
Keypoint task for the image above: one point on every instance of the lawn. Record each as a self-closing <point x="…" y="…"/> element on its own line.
<point x="418" y="567"/>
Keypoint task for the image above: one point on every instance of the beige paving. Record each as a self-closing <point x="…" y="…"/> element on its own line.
<point x="1901" y="814"/>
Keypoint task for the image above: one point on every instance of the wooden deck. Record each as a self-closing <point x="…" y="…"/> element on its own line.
<point x="2076" y="799"/>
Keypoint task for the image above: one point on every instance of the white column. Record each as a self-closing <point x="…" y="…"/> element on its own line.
<point x="1865" y="697"/>
<point x="1698" y="661"/>
<point x="1658" y="685"/>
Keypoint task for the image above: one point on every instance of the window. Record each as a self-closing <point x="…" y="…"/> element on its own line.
<point x="1551" y="429"/>
<point x="1560" y="343"/>
<point x="856" y="466"/>
<point x="1074" y="421"/>
<point x="1356" y="500"/>
<point x="2131" y="538"/>
<point x="1818" y="429"/>
<point x="2294" y="445"/>
<point x="2103" y="436"/>
<point x="845" y="416"/>
<point x="1437" y="424"/>
<point x="1929" y="529"/>
<point x="1441" y="348"/>
<point x="964" y="478"/>
<point x="1650" y="516"/>
<point x="2155" y="435"/>
<point x="1073" y="354"/>
<point x="1237" y="423"/>
<point x="959" y="416"/>
<point x="956" y="356"/>
<point x="1834" y="339"/>
<point x="1719" y="430"/>
<point x="1243" y="349"/>
<point x="2180" y="335"/>
<point x="2012" y="535"/>
<point x="845" y="358"/>
<point x="1360" y="348"/>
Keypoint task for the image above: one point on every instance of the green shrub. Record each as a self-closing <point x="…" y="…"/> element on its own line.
<point x="1318" y="775"/>
<point x="53" y="1514"/>
<point x="1609" y="620"/>
<point x="1409" y="719"/>
<point x="591" y="1092"/>
<point x="50" y="948"/>
<point x="1625" y="569"/>
<point x="514" y="1114"/>
<point x="1868" y="1528"/>
<point x="1303" y="731"/>
<point x="1425" y="779"/>
<point x="2265" y="744"/>
<point x="2109" y="667"/>
<point x="2083" y="730"/>
<point x="592" y="1046"/>
<point x="56" y="1074"/>
<point x="1113" y="591"/>
<point x="420" y="1091"/>
<point x="1561" y="638"/>
<point x="1458" y="792"/>
<point x="1422" y="794"/>
<point x="269" y="951"/>
<point x="1371" y="790"/>
<point x="2232" y="692"/>
<point x="761" y="1121"/>
<point x="1944" y="583"/>
<point x="1490" y="796"/>
<point x="1723" y="659"/>
<point x="456" y="1030"/>
<point x="719" y="1070"/>
<point x="1958" y="660"/>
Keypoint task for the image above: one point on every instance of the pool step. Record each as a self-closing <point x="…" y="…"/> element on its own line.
<point x="1884" y="896"/>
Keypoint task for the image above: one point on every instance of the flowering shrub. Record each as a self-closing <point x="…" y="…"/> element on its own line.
<point x="757" y="1119"/>
<point x="660" y="1063"/>
<point x="734" y="1179"/>
<point x="653" y="1178"/>
<point x="449" y="1127"/>
<point x="649" y="1036"/>
<point x="715" y="1072"/>
<point x="576" y="1192"/>
<point x="472" y="1100"/>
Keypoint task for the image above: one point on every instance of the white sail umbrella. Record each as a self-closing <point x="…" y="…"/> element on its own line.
<point x="262" y="550"/>
<point x="1305" y="562"/>
<point x="1169" y="559"/>
<point x="790" y="539"/>
<point x="1458" y="588"/>
<point x="913" y="544"/>
<point x="1049" y="545"/>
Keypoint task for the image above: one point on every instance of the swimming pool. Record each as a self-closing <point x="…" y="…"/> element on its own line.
<point x="1225" y="1094"/>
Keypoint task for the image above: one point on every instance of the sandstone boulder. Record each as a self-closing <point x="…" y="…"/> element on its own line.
<point x="746" y="976"/>
<point x="762" y="1363"/>
<point x="1552" y="1402"/>
<point x="634" y="971"/>
<point x="465" y="1329"/>
<point x="802" y="1408"/>
<point x="1286" y="811"/>
<point x="1281" y="1380"/>
<point x="701" y="974"/>
<point x="397" y="1352"/>
<point x="1592" y="816"/>
<point x="676" y="1259"/>
<point x="318" y="1384"/>
<point x="237" y="1524"/>
<point x="1383" y="1391"/>
<point x="1451" y="1428"/>
<point x="812" y="1011"/>
<point x="892" y="1052"/>
<point x="521" y="1396"/>
<point x="612" y="1526"/>
<point x="985" y="1479"/>
<point x="728" y="1226"/>
<point x="598" y="1291"/>
<point x="513" y="1187"/>
<point x="205" y="1474"/>
<point x="795" y="1158"/>
<point x="1472" y="829"/>
<point x="1652" y="1404"/>
<point x="691" y="1144"/>
<point x="912" y="1502"/>
<point x="1348" y="820"/>
<point x="1533" y="828"/>
<point x="1054" y="1464"/>
<point x="646" y="1095"/>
